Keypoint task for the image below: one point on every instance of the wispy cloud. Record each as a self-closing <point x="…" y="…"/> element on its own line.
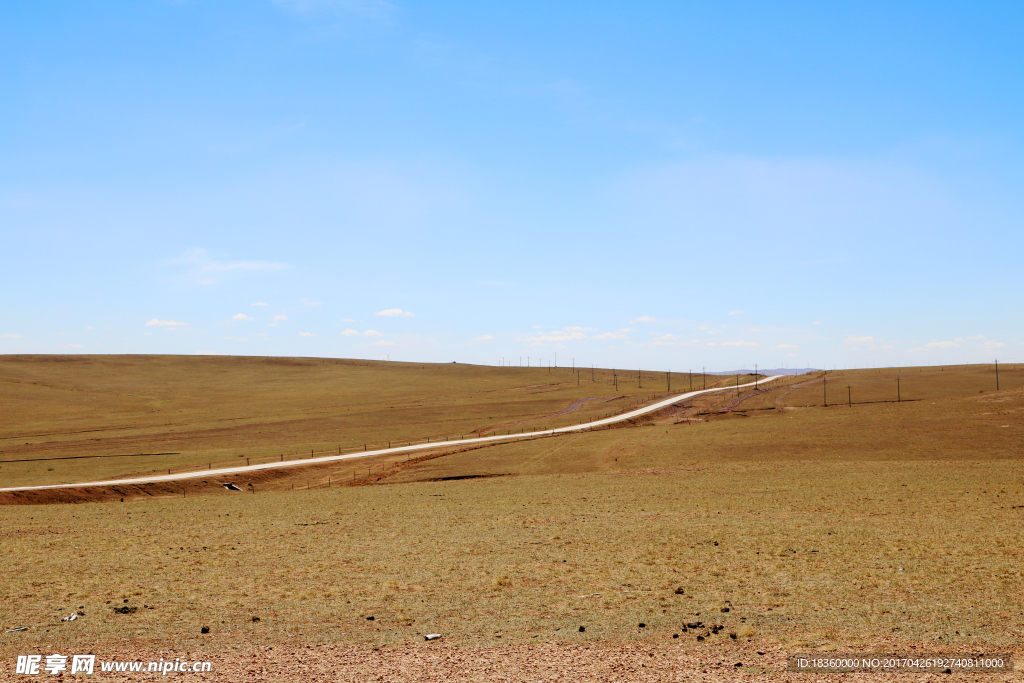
<point x="306" y="334"/>
<point x="735" y="312"/>
<point x="73" y="346"/>
<point x="394" y="313"/>
<point x="236" y="338"/>
<point x="483" y="337"/>
<point x="11" y="335"/>
<point x="558" y="337"/>
<point x="165" y="323"/>
<point x="372" y="333"/>
<point x="350" y="333"/>
<point x="258" y="303"/>
<point x="816" y="322"/>
<point x="202" y="268"/>
<point x="643" y="319"/>
<point x="860" y="340"/>
<point x="241" y="316"/>
<point x="740" y="343"/>
<point x="383" y="343"/>
<point x="786" y="347"/>
<point x="371" y="9"/>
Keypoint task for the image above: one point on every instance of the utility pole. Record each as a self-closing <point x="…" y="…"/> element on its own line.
<point x="849" y="397"/>
<point x="668" y="379"/>
<point x="997" y="374"/>
<point x="592" y="373"/>
<point x="737" y="384"/>
<point x="639" y="379"/>
<point x="704" y="375"/>
<point x="691" y="379"/>
<point x="755" y="376"/>
<point x="824" y="389"/>
<point x="898" y="397"/>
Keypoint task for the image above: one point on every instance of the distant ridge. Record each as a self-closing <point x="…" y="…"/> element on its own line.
<point x="768" y="371"/>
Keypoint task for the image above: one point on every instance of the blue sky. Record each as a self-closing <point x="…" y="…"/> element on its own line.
<point x="665" y="185"/>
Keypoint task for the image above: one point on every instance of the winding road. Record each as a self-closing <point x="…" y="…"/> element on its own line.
<point x="399" y="449"/>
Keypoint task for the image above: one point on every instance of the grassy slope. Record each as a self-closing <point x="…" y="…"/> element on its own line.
<point x="223" y="409"/>
<point x="799" y="521"/>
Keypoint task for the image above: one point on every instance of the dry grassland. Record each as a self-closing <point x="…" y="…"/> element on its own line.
<point x="880" y="527"/>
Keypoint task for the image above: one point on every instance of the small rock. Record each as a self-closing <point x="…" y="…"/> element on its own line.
<point x="738" y="664"/>
<point x="700" y="638"/>
<point x="369" y="618"/>
<point x="642" y="625"/>
<point x="733" y="636"/>
<point x="432" y="636"/>
<point x="675" y="635"/>
<point x="725" y="609"/>
<point x="205" y="629"/>
<point x="680" y="591"/>
<point x="583" y="629"/>
<point x="759" y="652"/>
<point x="255" y="619"/>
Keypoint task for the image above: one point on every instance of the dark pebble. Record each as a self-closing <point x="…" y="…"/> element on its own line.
<point x="675" y="635"/>
<point x="725" y="609"/>
<point x="583" y="629"/>
<point x="680" y="591"/>
<point x="700" y="638"/>
<point x="255" y="619"/>
<point x="738" y="664"/>
<point x="642" y="625"/>
<point x="733" y="636"/>
<point x="369" y="618"/>
<point x="205" y="629"/>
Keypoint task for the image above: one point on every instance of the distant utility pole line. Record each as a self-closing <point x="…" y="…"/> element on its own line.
<point x="997" y="374"/>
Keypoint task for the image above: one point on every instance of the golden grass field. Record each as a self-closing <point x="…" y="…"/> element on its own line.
<point x="880" y="526"/>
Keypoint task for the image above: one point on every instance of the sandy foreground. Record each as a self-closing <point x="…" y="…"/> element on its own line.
<point x="542" y="662"/>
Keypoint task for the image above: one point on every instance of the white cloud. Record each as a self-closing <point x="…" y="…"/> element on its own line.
<point x="860" y="340"/>
<point x="740" y="343"/>
<point x="643" y="319"/>
<point x="349" y="333"/>
<point x="90" y="328"/>
<point x="992" y="345"/>
<point x="306" y="334"/>
<point x="236" y="338"/>
<point x="73" y="346"/>
<point x="347" y="320"/>
<point x="241" y="316"/>
<point x="11" y="335"/>
<point x="277" y="318"/>
<point x="165" y="323"/>
<point x="941" y="345"/>
<point x="383" y="343"/>
<point x="372" y="333"/>
<point x="619" y="334"/>
<point x="816" y="322"/>
<point x="735" y="312"/>
<point x="536" y="327"/>
<point x="483" y="337"/>
<point x="786" y="347"/>
<point x="394" y="313"/>
<point x="258" y="303"/>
